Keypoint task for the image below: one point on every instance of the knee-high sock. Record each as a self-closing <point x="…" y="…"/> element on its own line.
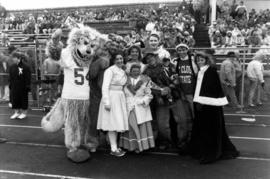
<point x="113" y="140"/>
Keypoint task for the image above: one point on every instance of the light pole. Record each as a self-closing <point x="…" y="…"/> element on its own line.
<point x="213" y="4"/>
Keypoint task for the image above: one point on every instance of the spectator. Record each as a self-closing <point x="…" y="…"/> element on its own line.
<point x="20" y="81"/>
<point x="52" y="70"/>
<point x="229" y="39"/>
<point x="209" y="140"/>
<point x="228" y="78"/>
<point x="218" y="40"/>
<point x="4" y="69"/>
<point x="189" y="39"/>
<point x="225" y="9"/>
<point x="212" y="29"/>
<point x="241" y="11"/>
<point x="255" y="75"/>
<point x="266" y="39"/>
<point x="254" y="40"/>
<point x="240" y="40"/>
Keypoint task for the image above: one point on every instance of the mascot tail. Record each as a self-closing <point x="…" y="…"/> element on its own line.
<point x="54" y="120"/>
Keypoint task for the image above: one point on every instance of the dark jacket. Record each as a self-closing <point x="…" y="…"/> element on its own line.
<point x="20" y="81"/>
<point x="162" y="79"/>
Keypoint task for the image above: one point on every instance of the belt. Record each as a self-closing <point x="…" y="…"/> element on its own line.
<point x="116" y="87"/>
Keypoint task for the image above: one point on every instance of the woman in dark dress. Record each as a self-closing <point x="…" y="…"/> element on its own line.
<point x="209" y="140"/>
<point x="20" y="80"/>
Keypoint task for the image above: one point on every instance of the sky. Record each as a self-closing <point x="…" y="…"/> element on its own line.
<point x="34" y="4"/>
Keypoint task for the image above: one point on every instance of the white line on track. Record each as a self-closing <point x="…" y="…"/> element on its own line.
<point x="250" y="138"/>
<point x="29" y="115"/>
<point x="40" y="174"/>
<point x="36" y="144"/>
<point x="248" y="125"/>
<point x="254" y="158"/>
<point x="20" y="126"/>
<point x="248" y="115"/>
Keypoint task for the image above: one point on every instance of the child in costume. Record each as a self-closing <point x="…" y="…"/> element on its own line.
<point x="138" y="93"/>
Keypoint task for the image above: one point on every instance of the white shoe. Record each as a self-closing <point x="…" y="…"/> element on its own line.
<point x="15" y="115"/>
<point x="22" y="116"/>
<point x="10" y="105"/>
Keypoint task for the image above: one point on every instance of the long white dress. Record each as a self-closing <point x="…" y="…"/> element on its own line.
<point x="116" y="119"/>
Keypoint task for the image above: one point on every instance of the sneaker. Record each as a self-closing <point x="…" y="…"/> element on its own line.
<point x="259" y="103"/>
<point x="118" y="153"/>
<point x="15" y="115"/>
<point x="10" y="105"/>
<point x="251" y="105"/>
<point x="22" y="116"/>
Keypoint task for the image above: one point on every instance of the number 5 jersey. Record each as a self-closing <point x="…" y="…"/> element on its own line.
<point x="75" y="83"/>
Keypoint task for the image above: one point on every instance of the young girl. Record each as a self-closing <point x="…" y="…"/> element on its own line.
<point x="134" y="57"/>
<point x="20" y="80"/>
<point x="138" y="93"/>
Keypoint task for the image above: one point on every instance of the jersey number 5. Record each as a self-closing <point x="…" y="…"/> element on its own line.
<point x="78" y="74"/>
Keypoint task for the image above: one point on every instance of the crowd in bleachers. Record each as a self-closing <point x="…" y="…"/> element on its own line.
<point x="235" y="26"/>
<point x="172" y="22"/>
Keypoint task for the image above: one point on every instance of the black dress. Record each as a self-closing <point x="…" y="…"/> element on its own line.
<point x="209" y="139"/>
<point x="20" y="80"/>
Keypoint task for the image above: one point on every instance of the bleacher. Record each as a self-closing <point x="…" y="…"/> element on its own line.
<point x="118" y="27"/>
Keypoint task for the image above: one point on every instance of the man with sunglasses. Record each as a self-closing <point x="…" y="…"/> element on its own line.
<point x="186" y="70"/>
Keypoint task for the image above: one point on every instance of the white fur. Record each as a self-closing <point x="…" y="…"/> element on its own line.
<point x="54" y="120"/>
<point x="88" y="32"/>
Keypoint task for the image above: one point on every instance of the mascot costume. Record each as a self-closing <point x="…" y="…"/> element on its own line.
<point x="71" y="110"/>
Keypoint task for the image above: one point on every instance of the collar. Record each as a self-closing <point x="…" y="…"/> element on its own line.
<point x="204" y="68"/>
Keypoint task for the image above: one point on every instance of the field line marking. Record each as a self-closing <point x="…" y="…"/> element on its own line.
<point x="250" y="138"/>
<point x="40" y="174"/>
<point x="28" y="115"/>
<point x="20" y="126"/>
<point x="254" y="158"/>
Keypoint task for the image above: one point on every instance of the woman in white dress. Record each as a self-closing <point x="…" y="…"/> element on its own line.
<point x="113" y="115"/>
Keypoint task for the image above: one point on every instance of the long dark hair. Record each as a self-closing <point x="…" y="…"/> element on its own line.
<point x="208" y="57"/>
<point x="139" y="51"/>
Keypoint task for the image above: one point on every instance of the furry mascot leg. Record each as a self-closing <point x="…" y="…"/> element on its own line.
<point x="76" y="127"/>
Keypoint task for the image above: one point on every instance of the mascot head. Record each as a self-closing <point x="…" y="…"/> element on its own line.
<point x="84" y="42"/>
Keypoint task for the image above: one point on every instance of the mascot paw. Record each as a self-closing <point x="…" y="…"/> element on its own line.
<point x="54" y="120"/>
<point x="78" y="156"/>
